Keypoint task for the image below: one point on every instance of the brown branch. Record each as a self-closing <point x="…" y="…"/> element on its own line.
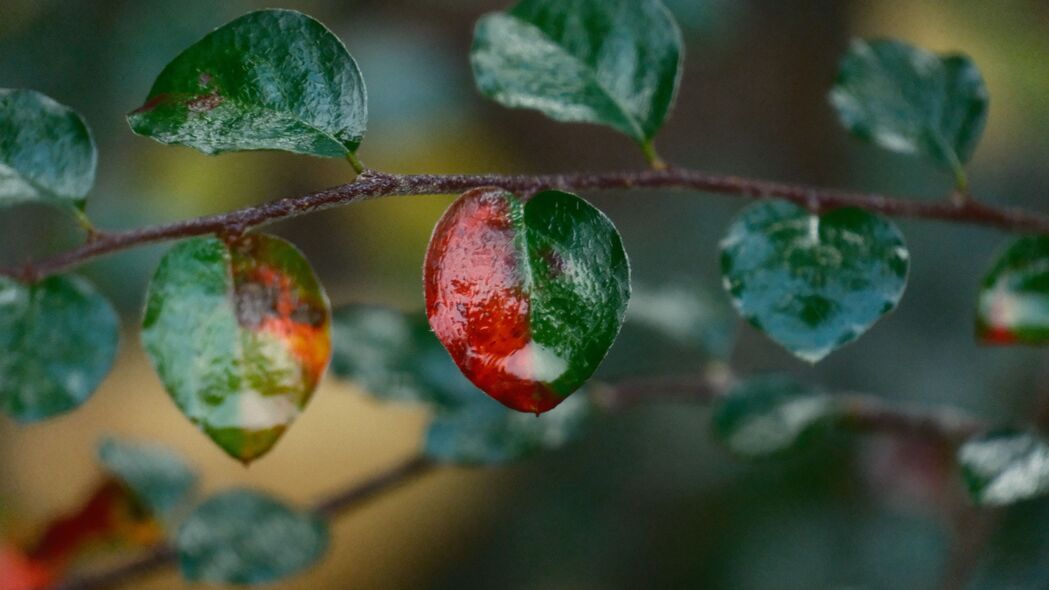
<point x="342" y="501"/>
<point x="373" y="184"/>
<point x="858" y="412"/>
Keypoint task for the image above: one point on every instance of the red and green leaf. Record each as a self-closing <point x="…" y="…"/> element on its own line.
<point x="527" y="296"/>
<point x="1014" y="298"/>
<point x="239" y="332"/>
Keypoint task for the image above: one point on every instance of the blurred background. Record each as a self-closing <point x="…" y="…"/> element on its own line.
<point x="646" y="499"/>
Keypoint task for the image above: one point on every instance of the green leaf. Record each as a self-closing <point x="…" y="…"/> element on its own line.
<point x="269" y="80"/>
<point x="158" y="476"/>
<point x="526" y="296"/>
<point x="239" y="333"/>
<point x="765" y="416"/>
<point x="58" y="340"/>
<point x="1014" y="297"/>
<point x="484" y="432"/>
<point x="812" y="283"/>
<point x="1005" y="467"/>
<point x="46" y="151"/>
<point x="245" y="537"/>
<point x="908" y="100"/>
<point x="395" y="357"/>
<point x="612" y="62"/>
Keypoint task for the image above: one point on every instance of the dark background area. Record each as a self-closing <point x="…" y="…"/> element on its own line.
<point x="646" y="499"/>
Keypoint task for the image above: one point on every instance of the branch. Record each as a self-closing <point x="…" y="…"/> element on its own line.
<point x="372" y="184"/>
<point x="859" y="412"/>
<point x="338" y="503"/>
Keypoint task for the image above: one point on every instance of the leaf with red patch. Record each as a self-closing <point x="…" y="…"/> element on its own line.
<point x="527" y="296"/>
<point x="240" y="334"/>
<point x="1014" y="298"/>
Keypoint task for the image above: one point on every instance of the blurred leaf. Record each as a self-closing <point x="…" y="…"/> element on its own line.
<point x="526" y="296"/>
<point x="764" y="416"/>
<point x="58" y="340"/>
<point x="239" y="333"/>
<point x="908" y="100"/>
<point x="613" y="62"/>
<point x="1005" y="467"/>
<point x="1014" y="297"/>
<point x="687" y="314"/>
<point x="486" y="433"/>
<point x="245" y="537"/>
<point x="159" y="477"/>
<point x="18" y="572"/>
<point x="271" y="79"/>
<point x="46" y="151"/>
<point x="395" y="357"/>
<point x="812" y="283"/>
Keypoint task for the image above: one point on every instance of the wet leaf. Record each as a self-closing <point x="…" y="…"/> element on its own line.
<point x="768" y="415"/>
<point x="239" y="334"/>
<point x="908" y="100"/>
<point x="46" y="151"/>
<point x="1005" y="467"/>
<point x="245" y="537"/>
<point x="159" y="477"/>
<point x="395" y="357"/>
<point x="58" y="340"/>
<point x="484" y="432"/>
<point x="812" y="283"/>
<point x="613" y="62"/>
<point x="526" y="296"/>
<point x="269" y="80"/>
<point x="1014" y="297"/>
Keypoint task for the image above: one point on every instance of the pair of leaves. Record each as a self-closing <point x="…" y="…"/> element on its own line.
<point x="239" y="333"/>
<point x="395" y="357"/>
<point x="58" y="340"/>
<point x="612" y="62"/>
<point x="812" y="283"/>
<point x="239" y="536"/>
<point x="908" y="100"/>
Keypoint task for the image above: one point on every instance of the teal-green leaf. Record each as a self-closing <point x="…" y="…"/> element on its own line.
<point x="812" y="283"/>
<point x="239" y="333"/>
<point x="269" y="80"/>
<point x="46" y="151"/>
<point x="246" y="537"/>
<point x="908" y="100"/>
<point x="1005" y="467"/>
<point x="158" y="476"/>
<point x="394" y="356"/>
<point x="58" y="340"/>
<point x="764" y="416"/>
<point x="612" y="62"/>
<point x="484" y="432"/>
<point x="1014" y="297"/>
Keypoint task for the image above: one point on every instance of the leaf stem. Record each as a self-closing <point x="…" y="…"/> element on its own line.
<point x="358" y="167"/>
<point x="648" y="147"/>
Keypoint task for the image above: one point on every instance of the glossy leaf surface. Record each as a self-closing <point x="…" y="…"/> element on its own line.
<point x="1005" y="467"/>
<point x="239" y="334"/>
<point x="613" y="62"/>
<point x="158" y="476"/>
<point x="245" y="537"/>
<point x="1014" y="297"/>
<point x="396" y="357"/>
<point x="46" y="151"/>
<point x="269" y="80"/>
<point x="908" y="100"/>
<point x="483" y="432"/>
<point x="768" y="415"/>
<point x="812" y="283"/>
<point x="58" y="340"/>
<point x="526" y="296"/>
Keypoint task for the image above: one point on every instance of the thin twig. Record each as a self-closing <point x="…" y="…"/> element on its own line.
<point x="372" y="184"/>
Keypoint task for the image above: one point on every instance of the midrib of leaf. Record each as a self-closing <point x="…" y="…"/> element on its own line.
<point x="592" y="76"/>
